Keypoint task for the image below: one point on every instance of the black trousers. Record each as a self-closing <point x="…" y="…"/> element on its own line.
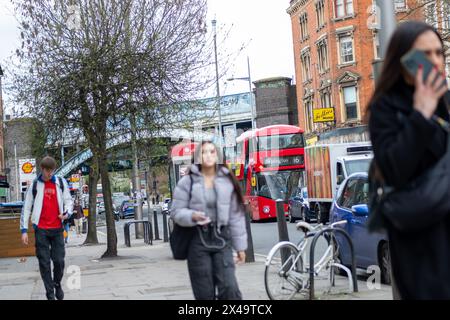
<point x="50" y="246"/>
<point x="212" y="271"/>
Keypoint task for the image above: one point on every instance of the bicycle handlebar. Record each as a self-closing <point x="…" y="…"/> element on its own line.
<point x="338" y="223"/>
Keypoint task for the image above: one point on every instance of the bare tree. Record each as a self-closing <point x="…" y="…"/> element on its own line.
<point x="92" y="64"/>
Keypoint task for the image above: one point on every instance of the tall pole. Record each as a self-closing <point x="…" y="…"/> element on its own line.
<point x="388" y="23"/>
<point x="252" y="105"/>
<point x="214" y="23"/>
<point x="16" y="165"/>
<point x="139" y="228"/>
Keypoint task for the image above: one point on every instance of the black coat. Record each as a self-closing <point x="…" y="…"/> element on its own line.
<point x="405" y="145"/>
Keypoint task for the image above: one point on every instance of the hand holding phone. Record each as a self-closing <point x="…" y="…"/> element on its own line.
<point x="204" y="222"/>
<point x="430" y="83"/>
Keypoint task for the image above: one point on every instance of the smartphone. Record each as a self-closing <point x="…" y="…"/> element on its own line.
<point x="413" y="59"/>
<point x="204" y="222"/>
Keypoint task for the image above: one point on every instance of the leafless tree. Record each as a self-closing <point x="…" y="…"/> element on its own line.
<point x="95" y="65"/>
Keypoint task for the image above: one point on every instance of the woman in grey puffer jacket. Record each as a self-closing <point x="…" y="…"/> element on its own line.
<point x="209" y="196"/>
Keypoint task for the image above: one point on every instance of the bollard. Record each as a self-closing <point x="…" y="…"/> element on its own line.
<point x="249" y="253"/>
<point x="165" y="231"/>
<point x="155" y="220"/>
<point x="282" y="229"/>
<point x="281" y="221"/>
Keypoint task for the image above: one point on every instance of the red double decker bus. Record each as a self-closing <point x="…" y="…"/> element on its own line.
<point x="180" y="161"/>
<point x="269" y="166"/>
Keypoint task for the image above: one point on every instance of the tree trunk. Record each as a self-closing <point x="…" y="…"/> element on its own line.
<point x="91" y="237"/>
<point x="111" y="250"/>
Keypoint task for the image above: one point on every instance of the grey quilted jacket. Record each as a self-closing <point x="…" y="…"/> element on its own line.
<point x="229" y="212"/>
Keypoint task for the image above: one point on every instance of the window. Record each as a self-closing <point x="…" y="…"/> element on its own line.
<point x="361" y="192"/>
<point x="357" y="166"/>
<point x="277" y="185"/>
<point x="350" y="102"/>
<point x="343" y="8"/>
<point x="322" y="53"/>
<point x="281" y="142"/>
<point x="325" y="99"/>
<point x="306" y="66"/>
<point x="400" y="4"/>
<point x="303" y="26"/>
<point x="348" y="195"/>
<point x="346" y="49"/>
<point x="320" y="13"/>
<point x="308" y="105"/>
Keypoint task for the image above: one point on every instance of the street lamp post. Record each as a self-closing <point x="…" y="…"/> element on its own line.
<point x="249" y="79"/>
<point x="214" y="23"/>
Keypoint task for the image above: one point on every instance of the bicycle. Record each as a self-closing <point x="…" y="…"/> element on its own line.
<point x="285" y="264"/>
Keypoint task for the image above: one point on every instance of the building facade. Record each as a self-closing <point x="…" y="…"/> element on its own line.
<point x="336" y="43"/>
<point x="276" y="102"/>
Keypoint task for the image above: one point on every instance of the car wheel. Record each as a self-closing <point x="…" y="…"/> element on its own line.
<point x="385" y="264"/>
<point x="320" y="214"/>
<point x="291" y="218"/>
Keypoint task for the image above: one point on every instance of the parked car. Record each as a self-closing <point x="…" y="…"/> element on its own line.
<point x="370" y="249"/>
<point x="127" y="209"/>
<point x="118" y="200"/>
<point x="299" y="206"/>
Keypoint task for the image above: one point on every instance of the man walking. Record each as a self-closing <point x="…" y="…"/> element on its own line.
<point x="49" y="203"/>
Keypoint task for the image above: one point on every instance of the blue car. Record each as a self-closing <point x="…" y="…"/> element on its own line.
<point x="127" y="209"/>
<point x="370" y="249"/>
<point x="299" y="206"/>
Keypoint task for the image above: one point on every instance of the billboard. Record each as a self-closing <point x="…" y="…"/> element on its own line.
<point x="27" y="172"/>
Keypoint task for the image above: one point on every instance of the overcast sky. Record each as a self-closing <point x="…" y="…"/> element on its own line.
<point x="263" y="25"/>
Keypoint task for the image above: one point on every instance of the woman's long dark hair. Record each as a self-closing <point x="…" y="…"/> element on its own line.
<point x="197" y="157"/>
<point x="401" y="42"/>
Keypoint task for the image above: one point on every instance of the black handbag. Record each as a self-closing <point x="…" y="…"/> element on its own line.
<point x="424" y="202"/>
<point x="180" y="237"/>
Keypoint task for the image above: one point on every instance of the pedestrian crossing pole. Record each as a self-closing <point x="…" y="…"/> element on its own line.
<point x="387" y="25"/>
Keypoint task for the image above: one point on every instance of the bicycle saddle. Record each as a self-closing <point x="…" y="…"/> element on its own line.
<point x="304" y="226"/>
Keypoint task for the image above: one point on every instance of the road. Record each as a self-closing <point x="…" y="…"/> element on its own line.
<point x="264" y="234"/>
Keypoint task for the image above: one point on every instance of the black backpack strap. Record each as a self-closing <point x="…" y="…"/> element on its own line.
<point x="190" y="189"/>
<point x="33" y="192"/>
<point x="34" y="189"/>
<point x="61" y="184"/>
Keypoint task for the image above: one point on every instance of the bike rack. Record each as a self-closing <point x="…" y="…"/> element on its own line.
<point x="311" y="258"/>
<point x="148" y="233"/>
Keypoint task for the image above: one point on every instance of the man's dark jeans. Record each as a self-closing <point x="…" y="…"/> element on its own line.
<point x="50" y="245"/>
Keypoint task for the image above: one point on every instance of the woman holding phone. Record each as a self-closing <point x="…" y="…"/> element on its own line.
<point x="209" y="198"/>
<point x="407" y="116"/>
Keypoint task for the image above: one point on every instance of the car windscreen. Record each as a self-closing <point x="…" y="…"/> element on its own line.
<point x="361" y="165"/>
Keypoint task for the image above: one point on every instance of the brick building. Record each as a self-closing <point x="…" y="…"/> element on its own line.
<point x="335" y="46"/>
<point x="276" y="102"/>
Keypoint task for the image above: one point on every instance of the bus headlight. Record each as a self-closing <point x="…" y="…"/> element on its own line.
<point x="266" y="209"/>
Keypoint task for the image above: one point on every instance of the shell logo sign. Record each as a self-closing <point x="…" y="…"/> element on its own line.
<point x="27" y="167"/>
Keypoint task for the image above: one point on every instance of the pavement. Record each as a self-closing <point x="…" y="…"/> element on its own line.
<point x="140" y="272"/>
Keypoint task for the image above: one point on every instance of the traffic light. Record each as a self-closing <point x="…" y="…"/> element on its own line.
<point x="24" y="186"/>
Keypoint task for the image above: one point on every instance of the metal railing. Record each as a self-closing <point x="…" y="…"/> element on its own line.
<point x="331" y="231"/>
<point x="148" y="232"/>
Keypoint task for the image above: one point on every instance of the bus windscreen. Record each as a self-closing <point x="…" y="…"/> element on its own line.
<point x="278" y="184"/>
<point x="281" y="142"/>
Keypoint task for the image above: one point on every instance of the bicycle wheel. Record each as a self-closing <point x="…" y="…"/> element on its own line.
<point x="280" y="277"/>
